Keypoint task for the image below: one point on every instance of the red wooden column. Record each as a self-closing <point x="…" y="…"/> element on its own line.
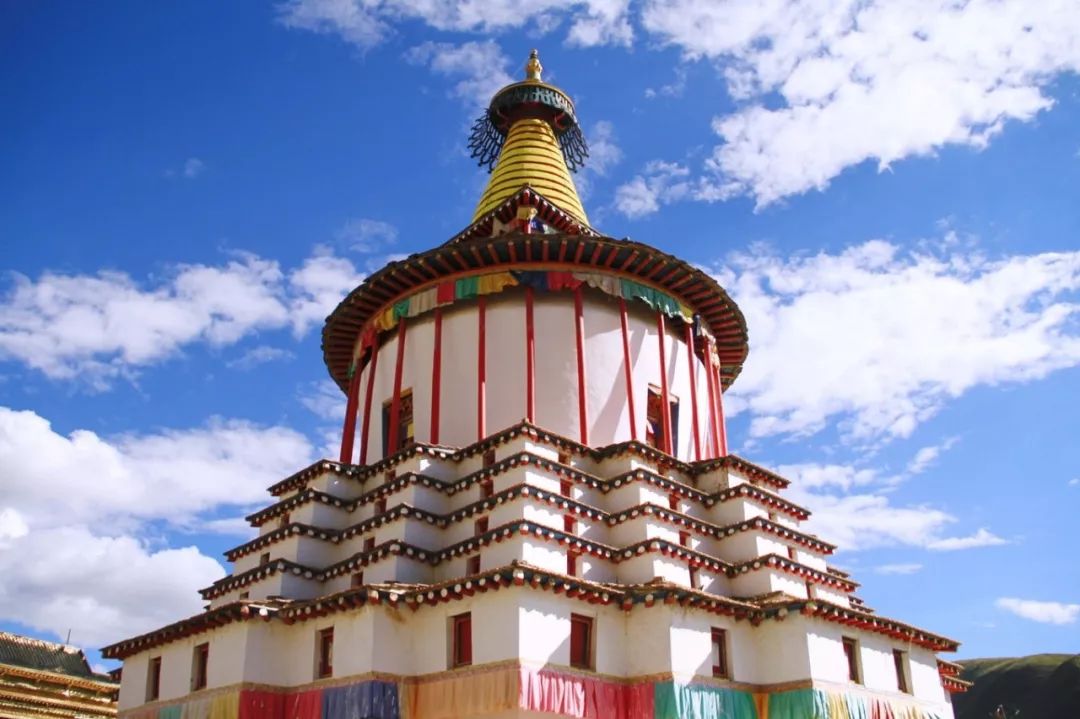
<point x="372" y="365"/>
<point x="395" y="401"/>
<point x="481" y="371"/>
<point x="579" y="332"/>
<point x="714" y="433"/>
<point x="530" y="358"/>
<point x="627" y="367"/>
<point x="665" y="400"/>
<point x="348" y="432"/>
<point x="690" y="361"/>
<point x="436" y="377"/>
<point x="720" y="411"/>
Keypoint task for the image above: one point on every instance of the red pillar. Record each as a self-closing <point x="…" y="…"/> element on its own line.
<point x="579" y="332"/>
<point x="628" y="368"/>
<point x="714" y="433"/>
<point x="720" y="411"/>
<point x="665" y="400"/>
<point x="481" y="371"/>
<point x="690" y="363"/>
<point x="395" y="400"/>
<point x="436" y="377"/>
<point x="530" y="358"/>
<point x="372" y="365"/>
<point x="348" y="432"/>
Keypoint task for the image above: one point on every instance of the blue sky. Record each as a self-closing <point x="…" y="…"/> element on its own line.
<point x="889" y="192"/>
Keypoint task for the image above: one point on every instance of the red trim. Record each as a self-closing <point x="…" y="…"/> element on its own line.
<point x="628" y="368"/>
<point x="481" y="370"/>
<point x="579" y="331"/>
<point x="714" y="434"/>
<point x="436" y="377"/>
<point x="530" y="358"/>
<point x="693" y="390"/>
<point x="395" y="399"/>
<point x="348" y="432"/>
<point x="372" y="366"/>
<point x="720" y="413"/>
<point x="665" y="399"/>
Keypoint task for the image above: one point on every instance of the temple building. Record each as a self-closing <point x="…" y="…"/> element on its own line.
<point x="535" y="512"/>
<point x="46" y="680"/>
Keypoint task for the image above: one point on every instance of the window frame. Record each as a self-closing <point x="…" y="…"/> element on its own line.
<point x="902" y="664"/>
<point x="324" y="653"/>
<point x="852" y="655"/>
<point x="472" y="565"/>
<point x="153" y="679"/>
<point x="200" y="666"/>
<point x="460" y="654"/>
<point x="586" y="624"/>
<point x="721" y="665"/>
<point x="406" y="422"/>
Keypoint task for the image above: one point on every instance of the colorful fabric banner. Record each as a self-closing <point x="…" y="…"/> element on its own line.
<point x="261" y="704"/>
<point x="365" y="700"/>
<point x="820" y="704"/>
<point x="497" y="282"/>
<point x="653" y="298"/>
<point x="304" y="705"/>
<point x="691" y="701"/>
<point x="582" y="697"/>
<point x="464" y="695"/>
<point x="467" y="288"/>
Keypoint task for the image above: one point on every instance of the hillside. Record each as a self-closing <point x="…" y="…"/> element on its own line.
<point x="1042" y="686"/>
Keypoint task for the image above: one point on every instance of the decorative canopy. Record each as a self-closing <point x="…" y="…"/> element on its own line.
<point x="530" y="136"/>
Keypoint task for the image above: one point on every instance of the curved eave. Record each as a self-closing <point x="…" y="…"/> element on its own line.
<point x="470" y="254"/>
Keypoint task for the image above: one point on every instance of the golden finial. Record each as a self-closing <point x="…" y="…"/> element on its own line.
<point x="533" y="68"/>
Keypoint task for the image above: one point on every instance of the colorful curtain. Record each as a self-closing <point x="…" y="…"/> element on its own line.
<point x="304" y="705"/>
<point x="366" y="700"/>
<point x="690" y="701"/>
<point x="256" y="704"/>
<point x="583" y="697"/>
<point x="465" y="695"/>
<point x="820" y="704"/>
<point x="173" y="712"/>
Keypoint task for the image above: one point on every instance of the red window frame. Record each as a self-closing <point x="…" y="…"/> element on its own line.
<point x="489" y="458"/>
<point x="461" y="640"/>
<point x="569" y="524"/>
<point x="565" y="487"/>
<point x="264" y="559"/>
<point x="472" y="565"/>
<point x="326" y="653"/>
<point x="153" y="679"/>
<point x="572" y="563"/>
<point x="721" y="666"/>
<point x="851" y="653"/>
<point x="693" y="577"/>
<point x="898" y="656"/>
<point x="380" y="505"/>
<point x="684" y="539"/>
<point x="201" y="662"/>
<point x="480" y="526"/>
<point x="581" y="641"/>
<point x="673" y="502"/>
<point x="369" y="543"/>
<point x="487" y="488"/>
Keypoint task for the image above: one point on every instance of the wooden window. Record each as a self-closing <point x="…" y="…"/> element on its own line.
<point x="480" y="526"/>
<point x="809" y="589"/>
<point x="369" y="544"/>
<point x="284" y="520"/>
<point x="572" y="563"/>
<point x="153" y="679"/>
<point x="581" y="641"/>
<point x="720" y="666"/>
<point x="654" y="421"/>
<point x="684" y="539"/>
<point x="380" y="506"/>
<point x="264" y="559"/>
<point x="200" y="659"/>
<point x="792" y="554"/>
<point x="390" y="475"/>
<point x="405" y="428"/>
<point x="487" y="488"/>
<point x="473" y="565"/>
<point x="900" y="661"/>
<point x="695" y="582"/>
<point x="564" y="458"/>
<point x="325" y="643"/>
<point x="245" y="595"/>
<point x="851" y="653"/>
<point x="569" y="524"/>
<point x="357" y="579"/>
<point x="489" y="458"/>
<point x="461" y="640"/>
<point x="565" y="487"/>
<point x="673" y="502"/>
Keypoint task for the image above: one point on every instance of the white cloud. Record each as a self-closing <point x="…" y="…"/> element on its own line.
<point x="365" y="23"/>
<point x="93" y="328"/>
<point x="1075" y="482"/>
<point x="481" y="67"/>
<point x="366" y="235"/>
<point x="1044" y="612"/>
<point x="193" y="167"/>
<point x="860" y="81"/>
<point x="982" y="538"/>
<point x="892" y="569"/>
<point x="889" y="337"/>
<point x="675" y="88"/>
<point x="259" y="355"/>
<point x="325" y="399"/>
<point x="927" y="456"/>
<point x="812" y="476"/>
<point x="604" y="154"/>
<point x="81" y="515"/>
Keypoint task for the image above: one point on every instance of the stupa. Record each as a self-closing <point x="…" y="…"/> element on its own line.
<point x="539" y="514"/>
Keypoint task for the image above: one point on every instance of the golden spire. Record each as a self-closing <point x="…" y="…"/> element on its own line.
<point x="531" y="136"/>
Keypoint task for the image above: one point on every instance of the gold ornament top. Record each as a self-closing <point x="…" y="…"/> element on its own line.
<point x="533" y="68"/>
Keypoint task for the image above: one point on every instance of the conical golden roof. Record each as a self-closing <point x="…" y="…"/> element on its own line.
<point x="531" y="126"/>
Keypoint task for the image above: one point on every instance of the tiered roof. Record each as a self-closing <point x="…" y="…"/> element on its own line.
<point x="40" y="679"/>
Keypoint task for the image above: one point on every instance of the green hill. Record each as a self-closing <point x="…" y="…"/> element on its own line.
<point x="1042" y="686"/>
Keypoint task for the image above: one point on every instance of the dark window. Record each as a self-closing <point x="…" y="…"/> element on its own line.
<point x="245" y="595"/>
<point x="358" y="579"/>
<point x="380" y="505"/>
<point x="390" y="475"/>
<point x="480" y="526"/>
<point x="285" y="520"/>
<point x="264" y="558"/>
<point x="791" y="554"/>
<point x="569" y="524"/>
<point x="461" y="640"/>
<point x="694" y="582"/>
<point x="200" y="658"/>
<point x="565" y="487"/>
<point x="473" y="565"/>
<point x="851" y="652"/>
<point x="489" y="458"/>
<point x="487" y="488"/>
<point x="899" y="658"/>
<point x="684" y="539"/>
<point x="654" y="422"/>
<point x="581" y="629"/>
<point x="404" y="425"/>
<point x="326" y="652"/>
<point x="673" y="502"/>
<point x="564" y="458"/>
<point x="720" y="666"/>
<point x="572" y="563"/>
<point x="153" y="679"/>
<point x="369" y="544"/>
